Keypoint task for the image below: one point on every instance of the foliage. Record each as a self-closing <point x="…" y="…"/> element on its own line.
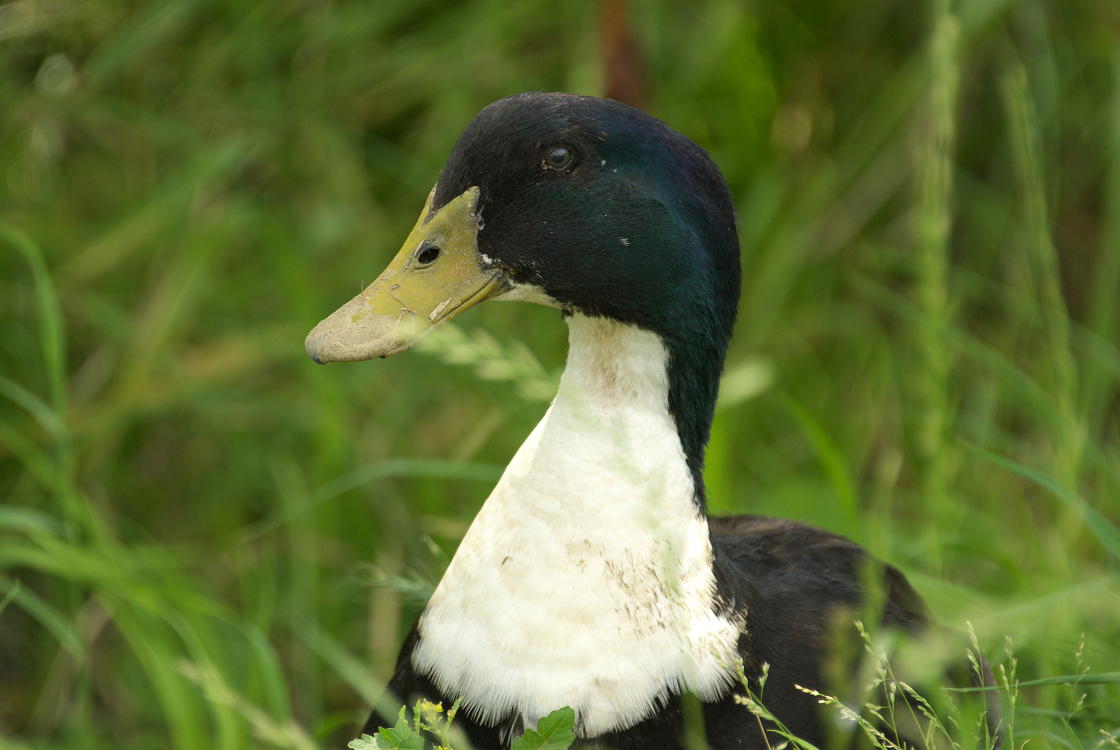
<point x="553" y="732"/>
<point x="427" y="717"/>
<point x="194" y="516"/>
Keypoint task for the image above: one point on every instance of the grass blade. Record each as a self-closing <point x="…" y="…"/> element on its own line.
<point x="1104" y="530"/>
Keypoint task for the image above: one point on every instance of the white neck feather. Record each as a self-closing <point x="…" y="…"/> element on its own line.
<point x="586" y="578"/>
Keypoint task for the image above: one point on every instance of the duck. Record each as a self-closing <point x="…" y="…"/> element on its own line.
<point x="592" y="577"/>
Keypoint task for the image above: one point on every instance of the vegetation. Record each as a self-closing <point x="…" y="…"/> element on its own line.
<point x="208" y="542"/>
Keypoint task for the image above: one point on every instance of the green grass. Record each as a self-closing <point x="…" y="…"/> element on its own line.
<point x="208" y="542"/>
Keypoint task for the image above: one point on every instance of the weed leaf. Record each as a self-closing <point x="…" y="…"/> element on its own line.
<point x="553" y="732"/>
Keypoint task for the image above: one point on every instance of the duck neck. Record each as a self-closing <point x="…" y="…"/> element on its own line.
<point x="694" y="362"/>
<point x="610" y="442"/>
<point x="586" y="579"/>
<point x="614" y="369"/>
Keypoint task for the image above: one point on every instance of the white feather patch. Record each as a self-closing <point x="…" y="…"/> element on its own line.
<point x="528" y="293"/>
<point x="586" y="578"/>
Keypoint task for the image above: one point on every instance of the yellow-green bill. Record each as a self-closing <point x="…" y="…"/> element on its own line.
<point x="438" y="273"/>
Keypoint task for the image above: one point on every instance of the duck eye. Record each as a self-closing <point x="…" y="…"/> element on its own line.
<point x="559" y="159"/>
<point x="427" y="255"/>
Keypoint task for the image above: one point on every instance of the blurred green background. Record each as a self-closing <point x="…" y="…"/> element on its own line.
<point x="208" y="542"/>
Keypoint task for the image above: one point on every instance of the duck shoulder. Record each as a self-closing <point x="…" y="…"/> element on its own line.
<point x="793" y="568"/>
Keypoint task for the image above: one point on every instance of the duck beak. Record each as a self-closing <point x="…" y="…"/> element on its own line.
<point x="437" y="274"/>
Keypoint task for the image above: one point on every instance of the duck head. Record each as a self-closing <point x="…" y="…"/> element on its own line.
<point x="580" y="203"/>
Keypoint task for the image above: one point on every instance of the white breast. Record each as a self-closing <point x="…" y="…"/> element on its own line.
<point x="586" y="578"/>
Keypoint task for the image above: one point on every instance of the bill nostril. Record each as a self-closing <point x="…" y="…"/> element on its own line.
<point x="428" y="255"/>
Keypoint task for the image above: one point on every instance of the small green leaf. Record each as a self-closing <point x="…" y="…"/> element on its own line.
<point x="553" y="732"/>
<point x="400" y="737"/>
